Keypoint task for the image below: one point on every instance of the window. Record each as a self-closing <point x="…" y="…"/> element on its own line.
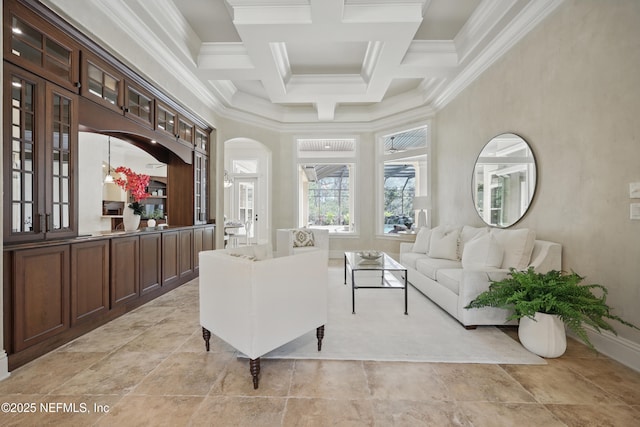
<point x="326" y="183"/>
<point x="404" y="171"/>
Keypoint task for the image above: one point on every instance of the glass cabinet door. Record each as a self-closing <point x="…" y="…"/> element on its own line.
<point x="34" y="45"/>
<point x="61" y="142"/>
<point x="200" y="188"/>
<point x="23" y="214"/>
<point x="41" y="119"/>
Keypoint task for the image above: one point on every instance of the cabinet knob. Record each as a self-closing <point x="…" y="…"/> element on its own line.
<point x="78" y="85"/>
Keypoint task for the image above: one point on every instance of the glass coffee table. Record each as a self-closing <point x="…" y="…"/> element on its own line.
<point x="374" y="274"/>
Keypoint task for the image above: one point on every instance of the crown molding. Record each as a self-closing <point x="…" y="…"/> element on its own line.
<point x="526" y="20"/>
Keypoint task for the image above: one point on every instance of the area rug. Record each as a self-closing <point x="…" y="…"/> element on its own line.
<point x="380" y="331"/>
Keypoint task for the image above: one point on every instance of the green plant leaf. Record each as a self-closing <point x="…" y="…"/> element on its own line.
<point x="527" y="292"/>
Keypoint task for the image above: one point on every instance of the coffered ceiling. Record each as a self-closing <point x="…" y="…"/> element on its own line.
<point x="302" y="61"/>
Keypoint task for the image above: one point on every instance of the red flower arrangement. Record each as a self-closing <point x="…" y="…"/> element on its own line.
<point x="136" y="184"/>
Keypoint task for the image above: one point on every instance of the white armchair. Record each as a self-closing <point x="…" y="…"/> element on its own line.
<point x="285" y="238"/>
<point x="257" y="303"/>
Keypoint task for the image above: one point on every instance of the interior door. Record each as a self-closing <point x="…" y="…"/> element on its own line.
<point x="246" y="201"/>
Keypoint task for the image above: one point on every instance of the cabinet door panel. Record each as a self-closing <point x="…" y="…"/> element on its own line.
<point x="170" y="257"/>
<point x="125" y="276"/>
<point x="186" y="252"/>
<point x="89" y="280"/>
<point x="150" y="262"/>
<point x="41" y="289"/>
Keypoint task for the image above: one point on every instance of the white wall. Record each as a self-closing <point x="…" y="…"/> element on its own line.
<point x="571" y="89"/>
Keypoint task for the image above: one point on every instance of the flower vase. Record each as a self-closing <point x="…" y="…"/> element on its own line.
<point x="130" y="220"/>
<point x="151" y="222"/>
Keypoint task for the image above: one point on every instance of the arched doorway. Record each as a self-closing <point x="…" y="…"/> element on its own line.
<point x="247" y="189"/>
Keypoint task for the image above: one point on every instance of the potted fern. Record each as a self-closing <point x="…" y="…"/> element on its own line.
<point x="544" y="303"/>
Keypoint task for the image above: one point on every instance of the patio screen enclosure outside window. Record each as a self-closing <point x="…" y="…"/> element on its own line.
<point x="403" y="166"/>
<point x="326" y="177"/>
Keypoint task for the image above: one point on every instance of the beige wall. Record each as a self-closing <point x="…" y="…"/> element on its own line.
<point x="571" y="88"/>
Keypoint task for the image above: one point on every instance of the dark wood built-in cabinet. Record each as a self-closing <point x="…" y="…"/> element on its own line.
<point x="125" y="264"/>
<point x="41" y="294"/>
<point x="61" y="290"/>
<point x="150" y="262"/>
<point x="89" y="280"/>
<point x="58" y="285"/>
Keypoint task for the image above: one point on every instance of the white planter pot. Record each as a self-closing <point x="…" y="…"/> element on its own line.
<point x="544" y="336"/>
<point x="151" y="222"/>
<point x="130" y="220"/>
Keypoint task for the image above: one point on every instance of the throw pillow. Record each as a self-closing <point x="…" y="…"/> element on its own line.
<point x="469" y="233"/>
<point x="518" y="246"/>
<point x="444" y="243"/>
<point x="302" y="238"/>
<point x="482" y="252"/>
<point x="421" y="245"/>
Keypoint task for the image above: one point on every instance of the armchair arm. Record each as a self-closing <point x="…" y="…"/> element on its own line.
<point x="284" y="242"/>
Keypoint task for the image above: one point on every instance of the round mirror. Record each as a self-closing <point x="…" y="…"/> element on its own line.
<point x="504" y="180"/>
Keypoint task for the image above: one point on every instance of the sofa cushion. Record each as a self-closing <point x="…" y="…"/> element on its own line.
<point x="444" y="243"/>
<point x="408" y="259"/>
<point x="302" y="238"/>
<point x="421" y="245"/>
<point x="450" y="279"/>
<point x="469" y="233"/>
<point x="518" y="246"/>
<point x="430" y="266"/>
<point x="482" y="252"/>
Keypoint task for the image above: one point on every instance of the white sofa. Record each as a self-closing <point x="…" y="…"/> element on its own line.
<point x="288" y="244"/>
<point x="257" y="303"/>
<point x="451" y="265"/>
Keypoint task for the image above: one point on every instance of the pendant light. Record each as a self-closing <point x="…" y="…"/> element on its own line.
<point x="392" y="149"/>
<point x="109" y="179"/>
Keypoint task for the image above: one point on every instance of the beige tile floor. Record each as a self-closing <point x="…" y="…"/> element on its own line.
<point x="149" y="368"/>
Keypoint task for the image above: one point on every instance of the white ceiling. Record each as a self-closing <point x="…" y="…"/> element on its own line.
<point x="302" y="61"/>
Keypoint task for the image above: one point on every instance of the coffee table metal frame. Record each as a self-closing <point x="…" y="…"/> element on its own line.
<point x="385" y="265"/>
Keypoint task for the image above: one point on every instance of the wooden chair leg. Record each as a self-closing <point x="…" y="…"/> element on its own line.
<point x="254" y="368"/>
<point x="320" y="335"/>
<point x="206" y="334"/>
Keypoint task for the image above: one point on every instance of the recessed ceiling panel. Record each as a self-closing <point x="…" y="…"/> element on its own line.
<point x="251" y="87"/>
<point x="319" y="57"/>
<point x="210" y="19"/>
<point x="399" y="86"/>
<point x="443" y="19"/>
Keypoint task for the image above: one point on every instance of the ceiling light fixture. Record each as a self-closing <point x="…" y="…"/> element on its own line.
<point x="109" y="179"/>
<point x="393" y="149"/>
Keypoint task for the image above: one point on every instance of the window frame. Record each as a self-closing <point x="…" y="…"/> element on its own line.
<point x="422" y="189"/>
<point x="350" y="158"/>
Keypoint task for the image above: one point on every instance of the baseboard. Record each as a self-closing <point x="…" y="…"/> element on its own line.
<point x="4" y="365"/>
<point x="620" y="349"/>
